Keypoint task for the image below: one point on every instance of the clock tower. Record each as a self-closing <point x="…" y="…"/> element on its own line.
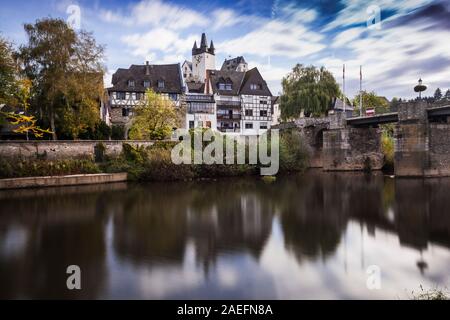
<point x="203" y="59"/>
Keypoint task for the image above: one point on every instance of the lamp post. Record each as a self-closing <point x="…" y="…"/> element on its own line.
<point x="420" y="88"/>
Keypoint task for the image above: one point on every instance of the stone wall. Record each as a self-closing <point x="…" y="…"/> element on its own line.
<point x="350" y="149"/>
<point x="53" y="150"/>
<point x="422" y="148"/>
<point x="439" y="150"/>
<point x="411" y="149"/>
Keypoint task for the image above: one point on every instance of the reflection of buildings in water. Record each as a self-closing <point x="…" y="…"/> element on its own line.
<point x="315" y="211"/>
<point x="154" y="225"/>
<point x="239" y="224"/>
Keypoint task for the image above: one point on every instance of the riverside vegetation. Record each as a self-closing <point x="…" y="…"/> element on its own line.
<point x="155" y="164"/>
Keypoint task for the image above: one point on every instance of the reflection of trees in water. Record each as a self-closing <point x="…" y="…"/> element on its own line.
<point x="310" y="228"/>
<point x="60" y="229"/>
<point x="152" y="224"/>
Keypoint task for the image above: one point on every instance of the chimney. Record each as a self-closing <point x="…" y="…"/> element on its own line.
<point x="147" y="68"/>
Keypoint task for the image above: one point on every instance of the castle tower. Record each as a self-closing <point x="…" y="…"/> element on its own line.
<point x="203" y="59"/>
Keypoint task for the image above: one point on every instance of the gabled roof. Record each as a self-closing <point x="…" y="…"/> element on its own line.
<point x="189" y="63"/>
<point x="169" y="73"/>
<point x="253" y="76"/>
<point x="241" y="82"/>
<point x="233" y="77"/>
<point x="231" y="64"/>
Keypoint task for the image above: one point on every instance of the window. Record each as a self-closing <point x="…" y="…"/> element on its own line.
<point x="125" y="112"/>
<point x="146" y="84"/>
<point x="262" y="101"/>
<point x="248" y="112"/>
<point x="208" y="124"/>
<point x="191" y="124"/>
<point x="263" y="113"/>
<point x="263" y="125"/>
<point x="173" y="96"/>
<point x="248" y="125"/>
<point x="131" y="83"/>
<point x="254" y="86"/>
<point x="225" y="84"/>
<point x="120" y="95"/>
<point x="160" y="84"/>
<point x="200" y="124"/>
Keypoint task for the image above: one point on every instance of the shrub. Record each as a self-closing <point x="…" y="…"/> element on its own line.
<point x="293" y="151"/>
<point x="118" y="132"/>
<point x="38" y="167"/>
<point x="387" y="146"/>
<point x="159" y="167"/>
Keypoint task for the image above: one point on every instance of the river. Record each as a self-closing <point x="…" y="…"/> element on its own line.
<point x="312" y="236"/>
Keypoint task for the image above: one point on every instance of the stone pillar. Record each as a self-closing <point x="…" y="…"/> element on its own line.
<point x="350" y="149"/>
<point x="411" y="140"/>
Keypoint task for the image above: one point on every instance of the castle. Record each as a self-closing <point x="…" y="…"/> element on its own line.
<point x="233" y="100"/>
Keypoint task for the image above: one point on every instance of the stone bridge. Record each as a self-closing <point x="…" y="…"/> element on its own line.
<point x="421" y="140"/>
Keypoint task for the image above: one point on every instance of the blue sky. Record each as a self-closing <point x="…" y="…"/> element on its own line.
<point x="410" y="41"/>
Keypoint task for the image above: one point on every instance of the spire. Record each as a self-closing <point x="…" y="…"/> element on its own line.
<point x="203" y="42"/>
<point x="194" y="48"/>
<point x="211" y="48"/>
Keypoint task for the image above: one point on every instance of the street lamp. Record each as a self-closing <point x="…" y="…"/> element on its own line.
<point x="419" y="88"/>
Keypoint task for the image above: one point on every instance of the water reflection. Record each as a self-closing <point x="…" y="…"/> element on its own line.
<point x="310" y="236"/>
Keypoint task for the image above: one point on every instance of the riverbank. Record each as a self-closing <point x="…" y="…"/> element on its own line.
<point x="57" y="181"/>
<point x="150" y="162"/>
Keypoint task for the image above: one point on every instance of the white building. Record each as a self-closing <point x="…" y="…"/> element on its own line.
<point x="241" y="97"/>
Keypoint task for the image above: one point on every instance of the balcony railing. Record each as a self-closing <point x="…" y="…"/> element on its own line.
<point x="236" y="104"/>
<point x="196" y="109"/>
<point x="227" y="129"/>
<point x="199" y="98"/>
<point x="228" y="117"/>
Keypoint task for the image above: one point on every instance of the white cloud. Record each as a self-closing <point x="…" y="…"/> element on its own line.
<point x="158" y="14"/>
<point x="347" y="36"/>
<point x="394" y="57"/>
<point x="276" y="38"/>
<point x="224" y="18"/>
<point x="159" y="39"/>
<point x="355" y="11"/>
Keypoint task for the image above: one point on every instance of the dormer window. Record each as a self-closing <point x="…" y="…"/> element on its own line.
<point x="131" y="83"/>
<point x="225" y="84"/>
<point x="160" y="84"/>
<point x="146" y="84"/>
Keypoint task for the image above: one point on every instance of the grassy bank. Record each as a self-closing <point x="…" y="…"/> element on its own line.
<point x="154" y="163"/>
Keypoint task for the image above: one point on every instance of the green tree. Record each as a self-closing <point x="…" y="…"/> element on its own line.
<point x="447" y="95"/>
<point x="154" y="118"/>
<point x="8" y="73"/>
<point x="67" y="74"/>
<point x="395" y="102"/>
<point x="307" y="89"/>
<point x="438" y="95"/>
<point x="371" y="100"/>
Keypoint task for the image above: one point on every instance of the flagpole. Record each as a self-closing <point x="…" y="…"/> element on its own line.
<point x="360" y="91"/>
<point x="343" y="86"/>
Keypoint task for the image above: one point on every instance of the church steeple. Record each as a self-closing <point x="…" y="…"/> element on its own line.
<point x="194" y="48"/>
<point x="203" y="44"/>
<point x="211" y="48"/>
<point x="203" y="59"/>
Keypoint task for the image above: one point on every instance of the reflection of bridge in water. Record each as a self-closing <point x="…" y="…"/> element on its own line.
<point x="421" y="139"/>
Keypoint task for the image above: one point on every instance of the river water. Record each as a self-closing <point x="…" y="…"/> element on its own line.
<point x="312" y="236"/>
